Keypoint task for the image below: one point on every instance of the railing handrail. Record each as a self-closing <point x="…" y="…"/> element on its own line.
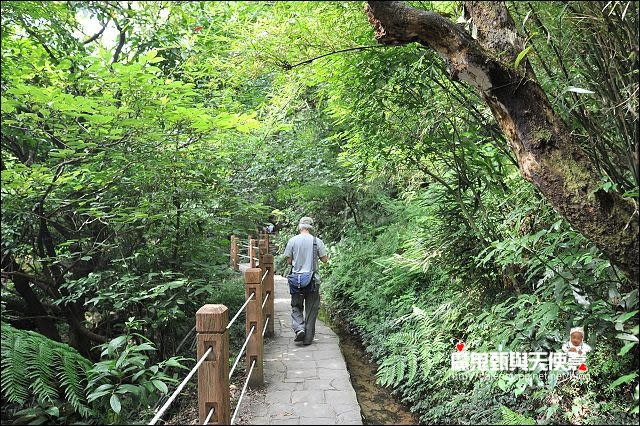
<point x="179" y="388"/>
<point x="241" y="351"/>
<point x="244" y="389"/>
<point x="246" y="302"/>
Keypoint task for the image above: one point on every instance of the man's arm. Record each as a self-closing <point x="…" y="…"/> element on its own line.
<point x="322" y="252"/>
<point x="288" y="252"/>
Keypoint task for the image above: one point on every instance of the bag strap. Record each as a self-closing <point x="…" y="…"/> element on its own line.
<point x="313" y="253"/>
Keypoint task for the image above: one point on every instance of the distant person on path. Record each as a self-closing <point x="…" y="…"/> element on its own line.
<point x="302" y="252"/>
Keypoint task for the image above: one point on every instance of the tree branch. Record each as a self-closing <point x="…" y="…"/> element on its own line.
<point x="288" y="66"/>
<point x="120" y="42"/>
<point x="37" y="37"/>
<point x="547" y="153"/>
<point x="96" y="35"/>
<point x="404" y="24"/>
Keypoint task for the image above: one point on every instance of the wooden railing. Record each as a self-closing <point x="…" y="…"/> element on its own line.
<point x="212" y="328"/>
<point x="212" y="324"/>
<point x="249" y="252"/>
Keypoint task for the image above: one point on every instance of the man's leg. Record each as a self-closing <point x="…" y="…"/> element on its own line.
<point x="312" y="305"/>
<point x="297" y="307"/>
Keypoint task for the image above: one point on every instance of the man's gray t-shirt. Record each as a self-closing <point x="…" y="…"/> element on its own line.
<point x="300" y="248"/>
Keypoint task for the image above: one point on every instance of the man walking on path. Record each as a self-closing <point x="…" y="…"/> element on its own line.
<point x="302" y="252"/>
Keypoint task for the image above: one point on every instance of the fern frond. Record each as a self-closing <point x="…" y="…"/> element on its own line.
<point x="15" y="384"/>
<point x="40" y="370"/>
<point x="399" y="373"/>
<point x="510" y="417"/>
<point x="72" y="377"/>
<point x="412" y="366"/>
<point x="391" y="371"/>
<point x="34" y="366"/>
<point x="387" y="371"/>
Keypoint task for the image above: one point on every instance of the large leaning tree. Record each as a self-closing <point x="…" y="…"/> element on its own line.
<point x="547" y="154"/>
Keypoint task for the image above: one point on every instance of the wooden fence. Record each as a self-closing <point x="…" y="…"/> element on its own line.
<point x="212" y="325"/>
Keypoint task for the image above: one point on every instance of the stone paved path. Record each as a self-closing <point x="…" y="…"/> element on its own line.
<point x="304" y="385"/>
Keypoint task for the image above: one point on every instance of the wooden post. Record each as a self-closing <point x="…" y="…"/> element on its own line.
<point x="261" y="253"/>
<point x="236" y="259"/>
<point x="252" y="253"/>
<point x="262" y="250"/>
<point x="213" y="374"/>
<point x="252" y="277"/>
<point x="233" y="253"/>
<point x="268" y="288"/>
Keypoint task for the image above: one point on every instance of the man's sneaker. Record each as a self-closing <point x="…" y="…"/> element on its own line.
<point x="299" y="336"/>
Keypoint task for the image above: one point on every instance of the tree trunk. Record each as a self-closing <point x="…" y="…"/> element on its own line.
<point x="79" y="337"/>
<point x="46" y="327"/>
<point x="546" y="153"/>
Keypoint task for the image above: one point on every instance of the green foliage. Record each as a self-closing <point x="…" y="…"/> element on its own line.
<point x="123" y="383"/>
<point x="568" y="44"/>
<point x="399" y="294"/>
<point x="125" y="168"/>
<point x="67" y="387"/>
<point x="51" y="372"/>
<point x="512" y="418"/>
<point x="119" y="180"/>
